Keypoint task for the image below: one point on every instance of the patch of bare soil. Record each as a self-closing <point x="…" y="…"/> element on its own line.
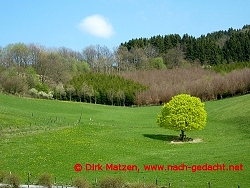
<point x="196" y="140"/>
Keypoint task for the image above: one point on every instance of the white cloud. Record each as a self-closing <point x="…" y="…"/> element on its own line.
<point x="96" y="25"/>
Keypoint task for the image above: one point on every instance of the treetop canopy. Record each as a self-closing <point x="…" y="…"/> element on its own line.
<point x="183" y="112"/>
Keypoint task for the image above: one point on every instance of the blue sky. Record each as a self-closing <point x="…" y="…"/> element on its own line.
<point x="77" y="24"/>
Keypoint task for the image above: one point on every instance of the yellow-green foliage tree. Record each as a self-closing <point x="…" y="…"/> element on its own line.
<point x="183" y="113"/>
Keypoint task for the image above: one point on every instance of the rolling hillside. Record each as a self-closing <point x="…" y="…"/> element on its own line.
<point x="52" y="136"/>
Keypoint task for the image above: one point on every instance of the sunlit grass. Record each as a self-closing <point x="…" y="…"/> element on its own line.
<point x="40" y="136"/>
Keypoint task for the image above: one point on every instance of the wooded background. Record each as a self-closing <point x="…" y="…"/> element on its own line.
<point x="138" y="72"/>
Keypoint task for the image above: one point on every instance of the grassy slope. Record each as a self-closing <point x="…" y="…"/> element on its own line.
<point x="45" y="136"/>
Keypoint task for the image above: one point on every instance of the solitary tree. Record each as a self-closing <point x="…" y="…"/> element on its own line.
<point x="183" y="113"/>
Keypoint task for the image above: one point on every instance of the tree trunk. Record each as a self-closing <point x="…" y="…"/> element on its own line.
<point x="182" y="136"/>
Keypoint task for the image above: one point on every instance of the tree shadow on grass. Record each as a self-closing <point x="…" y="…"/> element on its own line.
<point x="161" y="137"/>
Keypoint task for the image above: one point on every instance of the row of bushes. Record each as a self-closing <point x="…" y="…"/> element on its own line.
<point x="40" y="94"/>
<point x="205" y="84"/>
<point x="136" y="88"/>
<point x="46" y="180"/>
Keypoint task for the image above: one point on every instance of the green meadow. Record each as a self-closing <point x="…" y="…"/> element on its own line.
<point x="52" y="136"/>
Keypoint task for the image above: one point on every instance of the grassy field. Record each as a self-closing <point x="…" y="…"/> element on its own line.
<point x="40" y="136"/>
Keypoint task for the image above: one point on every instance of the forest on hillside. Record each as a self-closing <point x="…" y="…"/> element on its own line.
<point x="220" y="47"/>
<point x="138" y="72"/>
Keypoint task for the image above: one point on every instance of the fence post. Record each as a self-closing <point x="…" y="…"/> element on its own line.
<point x="182" y="183"/>
<point x="169" y="184"/>
<point x="209" y="184"/>
<point x="28" y="179"/>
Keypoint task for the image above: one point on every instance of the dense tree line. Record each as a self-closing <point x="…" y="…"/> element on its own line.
<point x="211" y="49"/>
<point x="105" y="89"/>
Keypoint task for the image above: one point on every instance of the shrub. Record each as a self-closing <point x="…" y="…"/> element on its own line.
<point x="43" y="95"/>
<point x="3" y="174"/>
<point x="45" y="180"/>
<point x="81" y="183"/>
<point x="13" y="180"/>
<point x="33" y="92"/>
<point x="42" y="87"/>
<point x="111" y="182"/>
<point x="50" y="95"/>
